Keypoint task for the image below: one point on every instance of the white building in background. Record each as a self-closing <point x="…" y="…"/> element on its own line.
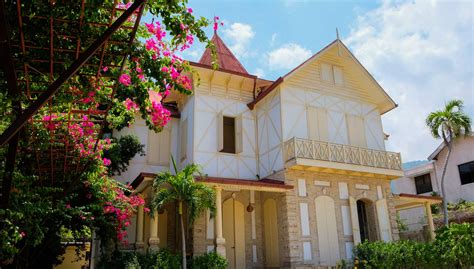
<point x="425" y="179"/>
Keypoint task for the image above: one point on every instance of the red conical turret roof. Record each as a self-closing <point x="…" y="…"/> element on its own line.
<point x="225" y="58"/>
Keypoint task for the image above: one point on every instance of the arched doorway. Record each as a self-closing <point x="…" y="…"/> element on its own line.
<point x="272" y="256"/>
<point x="327" y="231"/>
<point x="234" y="232"/>
<point x="367" y="223"/>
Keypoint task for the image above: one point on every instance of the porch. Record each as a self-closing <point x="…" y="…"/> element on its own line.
<point x="404" y="201"/>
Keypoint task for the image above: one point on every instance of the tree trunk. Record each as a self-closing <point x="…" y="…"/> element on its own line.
<point x="443" y="192"/>
<point x="183" y="235"/>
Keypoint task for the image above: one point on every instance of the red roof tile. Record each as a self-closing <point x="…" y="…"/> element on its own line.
<point x="225" y="57"/>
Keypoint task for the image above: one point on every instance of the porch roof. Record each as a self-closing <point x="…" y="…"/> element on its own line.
<point x="226" y="183"/>
<point x="406" y="201"/>
<point x="247" y="184"/>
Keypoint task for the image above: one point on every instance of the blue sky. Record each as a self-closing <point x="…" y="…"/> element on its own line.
<point x="421" y="52"/>
<point x="310" y="24"/>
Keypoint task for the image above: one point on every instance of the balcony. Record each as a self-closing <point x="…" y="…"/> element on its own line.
<point x="317" y="155"/>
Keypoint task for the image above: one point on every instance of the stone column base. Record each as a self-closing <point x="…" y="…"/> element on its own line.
<point x="220" y="247"/>
<point x="153" y="242"/>
<point x="139" y="246"/>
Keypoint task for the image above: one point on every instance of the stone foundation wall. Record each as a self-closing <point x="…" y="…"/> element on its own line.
<point x="290" y="236"/>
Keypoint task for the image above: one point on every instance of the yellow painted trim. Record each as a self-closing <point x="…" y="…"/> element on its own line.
<point x="236" y="187"/>
<point x="343" y="167"/>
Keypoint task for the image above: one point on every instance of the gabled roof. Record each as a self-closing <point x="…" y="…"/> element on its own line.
<point x="434" y="155"/>
<point x="313" y="58"/>
<point x="225" y="58"/>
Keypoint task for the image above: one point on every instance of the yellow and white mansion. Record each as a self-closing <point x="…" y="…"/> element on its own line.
<point x="298" y="164"/>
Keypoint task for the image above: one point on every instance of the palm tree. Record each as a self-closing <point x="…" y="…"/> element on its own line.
<point x="448" y="124"/>
<point x="191" y="196"/>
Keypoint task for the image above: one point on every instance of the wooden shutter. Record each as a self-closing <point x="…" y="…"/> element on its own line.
<point x="317" y="124"/>
<point x="220" y="131"/>
<point x="354" y="220"/>
<point x="184" y="139"/>
<point x="159" y="147"/>
<point x="384" y="221"/>
<point x="356" y="126"/>
<point x="338" y="75"/>
<point x="327" y="231"/>
<point x="326" y="73"/>
<point x="239" y="146"/>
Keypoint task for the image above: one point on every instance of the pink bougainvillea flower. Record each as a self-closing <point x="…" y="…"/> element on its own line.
<point x="68" y="206"/>
<point x="216" y="22"/>
<point x="22" y="234"/>
<point x="150" y="44"/>
<point x="164" y="69"/>
<point x="146" y="209"/>
<point x="150" y="27"/>
<point x="130" y="105"/>
<point x="106" y="161"/>
<point x="105" y="69"/>
<point x="50" y="125"/>
<point x="125" y="79"/>
<point x="190" y="10"/>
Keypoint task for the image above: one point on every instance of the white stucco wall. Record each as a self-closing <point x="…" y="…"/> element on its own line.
<point x="139" y="163"/>
<point x="241" y="165"/>
<point x="463" y="152"/>
<point x="296" y="101"/>
<point x="269" y="132"/>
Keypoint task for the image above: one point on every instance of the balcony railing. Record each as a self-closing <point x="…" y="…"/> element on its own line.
<point x="324" y="151"/>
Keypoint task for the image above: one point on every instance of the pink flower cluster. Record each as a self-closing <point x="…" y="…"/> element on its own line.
<point x="217" y="22"/>
<point x="48" y="121"/>
<point x="125" y="79"/>
<point x="122" y="209"/>
<point x="160" y="116"/>
<point x="130" y="105"/>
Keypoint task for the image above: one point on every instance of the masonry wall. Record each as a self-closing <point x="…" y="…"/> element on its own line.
<point x="291" y="225"/>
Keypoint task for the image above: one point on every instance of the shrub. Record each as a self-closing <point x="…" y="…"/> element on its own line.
<point x="453" y="248"/>
<point x="210" y="260"/>
<point x="162" y="259"/>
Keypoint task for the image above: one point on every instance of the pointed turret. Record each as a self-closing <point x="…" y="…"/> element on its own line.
<point x="225" y="58"/>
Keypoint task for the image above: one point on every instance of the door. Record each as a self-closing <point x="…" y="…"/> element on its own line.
<point x="272" y="258"/>
<point x="327" y="231"/>
<point x="234" y="233"/>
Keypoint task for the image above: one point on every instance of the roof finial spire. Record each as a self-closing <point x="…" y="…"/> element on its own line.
<point x="337" y="33"/>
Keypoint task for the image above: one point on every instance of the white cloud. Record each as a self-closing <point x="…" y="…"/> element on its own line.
<point x="422" y="54"/>
<point x="287" y="56"/>
<point x="259" y="72"/>
<point x="240" y="34"/>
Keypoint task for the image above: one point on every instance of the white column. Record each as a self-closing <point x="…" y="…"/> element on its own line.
<point x="154" y="240"/>
<point x="139" y="236"/>
<point x="429" y="216"/>
<point x="220" y="241"/>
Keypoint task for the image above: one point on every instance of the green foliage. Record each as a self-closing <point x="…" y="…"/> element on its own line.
<point x="402" y="227"/>
<point x="196" y="196"/>
<point x="453" y="248"/>
<point x="450" y="122"/>
<point x="122" y="151"/>
<point x="162" y="259"/>
<point x="210" y="260"/>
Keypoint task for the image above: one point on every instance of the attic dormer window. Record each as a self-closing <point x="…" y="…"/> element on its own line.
<point x="332" y="74"/>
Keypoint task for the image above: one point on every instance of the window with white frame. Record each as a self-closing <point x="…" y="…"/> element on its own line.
<point x="229" y="134"/>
